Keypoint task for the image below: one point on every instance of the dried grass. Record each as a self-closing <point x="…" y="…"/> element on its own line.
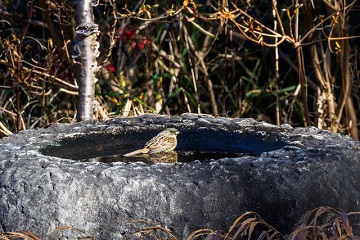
<point x="323" y="223"/>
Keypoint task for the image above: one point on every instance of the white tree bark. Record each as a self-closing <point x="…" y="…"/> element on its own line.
<point x="86" y="49"/>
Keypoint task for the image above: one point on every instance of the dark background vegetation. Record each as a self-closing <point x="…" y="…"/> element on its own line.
<point x="293" y="62"/>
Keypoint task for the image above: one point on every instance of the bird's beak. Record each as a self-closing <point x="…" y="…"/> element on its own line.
<point x="177" y="132"/>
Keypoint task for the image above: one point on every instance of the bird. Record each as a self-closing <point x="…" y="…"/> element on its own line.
<point x="165" y="141"/>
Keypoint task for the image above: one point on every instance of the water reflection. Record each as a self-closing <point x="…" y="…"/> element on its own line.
<point x="164" y="157"/>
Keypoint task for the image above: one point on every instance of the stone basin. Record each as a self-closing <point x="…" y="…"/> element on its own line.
<point x="62" y="175"/>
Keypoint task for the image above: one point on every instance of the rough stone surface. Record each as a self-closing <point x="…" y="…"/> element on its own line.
<point x="288" y="171"/>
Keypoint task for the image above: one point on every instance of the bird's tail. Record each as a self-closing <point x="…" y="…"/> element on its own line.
<point x="140" y="151"/>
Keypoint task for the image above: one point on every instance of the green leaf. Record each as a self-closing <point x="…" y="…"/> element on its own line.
<point x="169" y="99"/>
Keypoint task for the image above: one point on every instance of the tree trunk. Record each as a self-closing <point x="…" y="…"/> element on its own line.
<point x="85" y="54"/>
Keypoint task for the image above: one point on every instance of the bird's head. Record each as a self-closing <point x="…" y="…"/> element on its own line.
<point x="171" y="132"/>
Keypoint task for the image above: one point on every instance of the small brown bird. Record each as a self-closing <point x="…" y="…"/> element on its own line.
<point x="165" y="141"/>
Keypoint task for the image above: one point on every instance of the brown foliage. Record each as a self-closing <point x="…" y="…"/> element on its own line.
<point x="273" y="61"/>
